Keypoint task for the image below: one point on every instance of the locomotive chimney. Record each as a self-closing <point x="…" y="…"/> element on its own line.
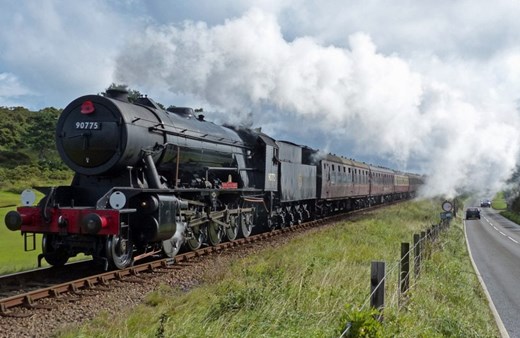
<point x="118" y="94"/>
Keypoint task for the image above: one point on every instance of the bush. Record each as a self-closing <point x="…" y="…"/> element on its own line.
<point x="362" y="323"/>
<point x="12" y="159"/>
<point x="25" y="176"/>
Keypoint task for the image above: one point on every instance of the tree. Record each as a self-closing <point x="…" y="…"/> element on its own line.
<point x="13" y="123"/>
<point x="40" y="135"/>
<point x="512" y="195"/>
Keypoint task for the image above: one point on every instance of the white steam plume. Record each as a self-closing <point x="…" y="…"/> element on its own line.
<point x="355" y="95"/>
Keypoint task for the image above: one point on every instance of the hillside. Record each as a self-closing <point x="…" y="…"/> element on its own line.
<point x="28" y="155"/>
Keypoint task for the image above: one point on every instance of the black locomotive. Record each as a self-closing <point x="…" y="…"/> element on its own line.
<point x="150" y="181"/>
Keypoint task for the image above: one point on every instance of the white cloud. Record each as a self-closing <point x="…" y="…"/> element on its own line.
<point x="377" y="102"/>
<point x="61" y="49"/>
<point x="11" y="90"/>
<point x="430" y="85"/>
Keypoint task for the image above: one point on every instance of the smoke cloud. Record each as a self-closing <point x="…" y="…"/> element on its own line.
<point x="429" y="115"/>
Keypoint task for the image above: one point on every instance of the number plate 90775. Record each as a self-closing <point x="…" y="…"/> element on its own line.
<point x="88" y="125"/>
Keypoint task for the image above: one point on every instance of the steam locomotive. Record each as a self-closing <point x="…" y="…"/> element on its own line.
<point x="150" y="181"/>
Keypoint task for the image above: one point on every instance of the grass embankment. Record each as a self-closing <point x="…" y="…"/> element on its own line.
<point x="309" y="287"/>
<point x="499" y="202"/>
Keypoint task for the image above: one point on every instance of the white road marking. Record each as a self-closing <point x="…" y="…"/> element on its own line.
<point x="503" y="234"/>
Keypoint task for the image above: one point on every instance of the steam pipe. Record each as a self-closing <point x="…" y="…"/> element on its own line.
<point x="150" y="172"/>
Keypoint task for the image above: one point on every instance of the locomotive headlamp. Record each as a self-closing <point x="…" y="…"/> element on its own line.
<point x="28" y="197"/>
<point x="149" y="203"/>
<point x="87" y="107"/>
<point x="117" y="200"/>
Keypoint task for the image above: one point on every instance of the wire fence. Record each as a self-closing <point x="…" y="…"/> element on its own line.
<point x="400" y="271"/>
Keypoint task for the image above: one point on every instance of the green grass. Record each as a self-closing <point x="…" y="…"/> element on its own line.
<point x="511" y="215"/>
<point x="12" y="255"/>
<point x="499" y="203"/>
<point x="447" y="300"/>
<point x="310" y="286"/>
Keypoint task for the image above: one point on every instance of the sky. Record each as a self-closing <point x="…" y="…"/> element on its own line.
<point x="427" y="86"/>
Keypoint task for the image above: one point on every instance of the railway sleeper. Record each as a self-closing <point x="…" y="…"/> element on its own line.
<point x="87" y="293"/>
<point x="134" y="280"/>
<point x="11" y="314"/>
<point x="29" y="304"/>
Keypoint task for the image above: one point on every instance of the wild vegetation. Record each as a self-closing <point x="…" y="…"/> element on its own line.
<point x="316" y="283"/>
<point x="28" y="156"/>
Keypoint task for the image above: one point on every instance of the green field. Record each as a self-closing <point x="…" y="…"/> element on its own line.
<point x="12" y="255"/>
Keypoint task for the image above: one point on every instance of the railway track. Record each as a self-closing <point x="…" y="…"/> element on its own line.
<point x="27" y="289"/>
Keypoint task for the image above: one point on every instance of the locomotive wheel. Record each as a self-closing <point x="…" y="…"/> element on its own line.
<point x="119" y="252"/>
<point x="55" y="256"/>
<point x="215" y="233"/>
<point x="232" y="230"/>
<point x="246" y="224"/>
<point x="194" y="241"/>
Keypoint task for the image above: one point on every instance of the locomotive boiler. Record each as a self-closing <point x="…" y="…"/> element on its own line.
<point x="150" y="181"/>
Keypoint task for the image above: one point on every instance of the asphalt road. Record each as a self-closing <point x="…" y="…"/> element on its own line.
<point x="494" y="243"/>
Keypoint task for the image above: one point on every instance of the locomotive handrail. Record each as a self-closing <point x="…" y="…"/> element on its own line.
<point x="222" y="168"/>
<point x="216" y="140"/>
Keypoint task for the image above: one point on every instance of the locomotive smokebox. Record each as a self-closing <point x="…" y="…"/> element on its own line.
<point x="98" y="135"/>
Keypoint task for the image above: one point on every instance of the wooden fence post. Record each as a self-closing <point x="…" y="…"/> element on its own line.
<point x="417" y="254"/>
<point x="423" y="245"/>
<point x="377" y="285"/>
<point x="404" y="277"/>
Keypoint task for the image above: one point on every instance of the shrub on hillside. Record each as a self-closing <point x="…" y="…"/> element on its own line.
<point x="13" y="159"/>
